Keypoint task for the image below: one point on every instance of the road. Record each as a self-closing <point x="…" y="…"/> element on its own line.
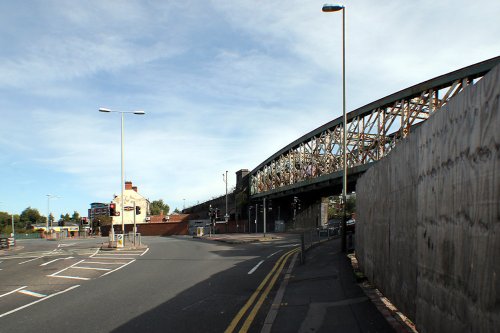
<point x="176" y="284"/>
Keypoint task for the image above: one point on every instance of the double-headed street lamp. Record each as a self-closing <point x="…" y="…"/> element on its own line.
<point x="49" y="196"/>
<point x="122" y="167"/>
<point x="327" y="9"/>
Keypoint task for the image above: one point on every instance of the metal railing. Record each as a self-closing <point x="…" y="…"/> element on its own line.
<point x="134" y="239"/>
<point x="314" y="237"/>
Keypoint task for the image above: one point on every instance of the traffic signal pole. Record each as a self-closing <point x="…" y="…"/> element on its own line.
<point x="135" y="213"/>
<point x="264" y="212"/>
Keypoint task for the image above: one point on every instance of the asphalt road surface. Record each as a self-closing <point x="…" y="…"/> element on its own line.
<point x="176" y="284"/>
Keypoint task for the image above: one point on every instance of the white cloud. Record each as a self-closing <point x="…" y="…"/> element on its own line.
<point x="224" y="85"/>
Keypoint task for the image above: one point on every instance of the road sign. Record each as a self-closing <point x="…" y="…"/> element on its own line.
<point x="119" y="240"/>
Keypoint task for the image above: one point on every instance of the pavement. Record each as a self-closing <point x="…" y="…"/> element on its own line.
<point x="326" y="293"/>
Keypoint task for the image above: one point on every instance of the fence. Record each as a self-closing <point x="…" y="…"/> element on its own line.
<point x="31" y="235"/>
<point x="314" y="237"/>
<point x="132" y="238"/>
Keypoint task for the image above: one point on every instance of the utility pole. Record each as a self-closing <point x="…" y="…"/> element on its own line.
<point x="264" y="212"/>
<point x="256" y="214"/>
<point x="226" y="216"/>
<point x="135" y="210"/>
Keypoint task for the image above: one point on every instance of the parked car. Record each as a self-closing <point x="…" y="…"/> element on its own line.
<point x="333" y="227"/>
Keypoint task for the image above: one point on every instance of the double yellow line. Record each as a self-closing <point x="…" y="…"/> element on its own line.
<point x="273" y="275"/>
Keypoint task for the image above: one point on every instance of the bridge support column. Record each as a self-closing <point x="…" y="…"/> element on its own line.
<point x="324" y="211"/>
<point x="312" y="215"/>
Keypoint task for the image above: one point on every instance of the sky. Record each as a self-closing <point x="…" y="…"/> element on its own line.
<point x="224" y="85"/>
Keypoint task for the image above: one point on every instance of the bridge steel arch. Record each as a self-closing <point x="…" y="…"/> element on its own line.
<point x="314" y="161"/>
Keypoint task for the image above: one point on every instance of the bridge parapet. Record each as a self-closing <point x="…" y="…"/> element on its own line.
<point x="372" y="132"/>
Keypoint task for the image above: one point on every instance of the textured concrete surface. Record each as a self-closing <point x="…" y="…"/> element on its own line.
<point x="428" y="231"/>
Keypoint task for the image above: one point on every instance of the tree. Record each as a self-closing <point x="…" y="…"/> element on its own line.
<point x="6" y="223"/>
<point x="30" y="216"/>
<point x="76" y="216"/>
<point x="335" y="209"/>
<point x="157" y="206"/>
<point x="101" y="220"/>
<point x="4" y="219"/>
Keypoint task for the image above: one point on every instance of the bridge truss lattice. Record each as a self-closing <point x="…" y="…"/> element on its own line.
<point x="372" y="132"/>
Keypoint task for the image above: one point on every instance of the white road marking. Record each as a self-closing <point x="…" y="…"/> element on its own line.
<point x="121" y="254"/>
<point x="96" y="252"/>
<point x="114" y="270"/>
<point x="13" y="291"/>
<point x="255" y="268"/>
<point x="145" y="252"/>
<point x="114" y="258"/>
<point x="272" y="254"/>
<point x="32" y="293"/>
<point x="30" y="260"/>
<point x="93" y="268"/>
<point x="105" y="263"/>
<point x="71" y="277"/>
<point x="37" y="301"/>
<point x="62" y="270"/>
<point x="67" y="244"/>
<point x="49" y="262"/>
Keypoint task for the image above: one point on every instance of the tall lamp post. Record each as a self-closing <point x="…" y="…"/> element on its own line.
<point x="226" y="216"/>
<point x="327" y="9"/>
<point x="122" y="168"/>
<point x="49" y="196"/>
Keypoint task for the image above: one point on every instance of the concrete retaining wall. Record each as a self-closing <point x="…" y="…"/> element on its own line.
<point x="428" y="230"/>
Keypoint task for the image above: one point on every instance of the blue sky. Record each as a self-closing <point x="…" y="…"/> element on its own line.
<point x="224" y="85"/>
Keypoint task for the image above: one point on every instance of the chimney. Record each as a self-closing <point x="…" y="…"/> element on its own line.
<point x="128" y="185"/>
<point x="134" y="188"/>
<point x="239" y="177"/>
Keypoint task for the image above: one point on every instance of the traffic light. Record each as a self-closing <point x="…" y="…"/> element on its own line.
<point x="137" y="210"/>
<point x="112" y="209"/>
<point x="296" y="203"/>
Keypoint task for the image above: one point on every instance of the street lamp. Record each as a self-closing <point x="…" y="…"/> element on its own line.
<point x="327" y="9"/>
<point x="139" y="112"/>
<point x="225" y="181"/>
<point x="49" y="196"/>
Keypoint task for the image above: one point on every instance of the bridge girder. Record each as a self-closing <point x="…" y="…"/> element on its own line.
<point x="372" y="132"/>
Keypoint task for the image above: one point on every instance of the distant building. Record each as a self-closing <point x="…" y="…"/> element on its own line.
<point x="98" y="209"/>
<point x="131" y="198"/>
